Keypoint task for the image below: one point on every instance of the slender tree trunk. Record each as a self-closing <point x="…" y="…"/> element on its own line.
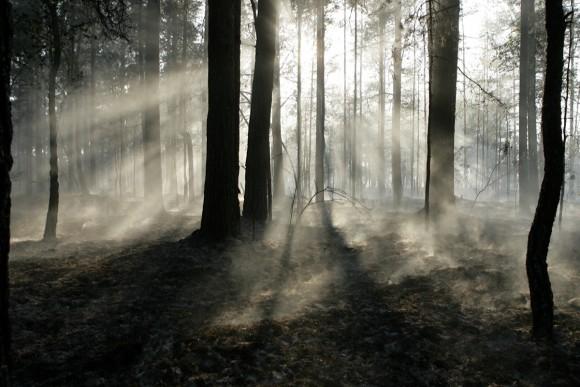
<point x="532" y="111"/>
<point x="256" y="195"/>
<point x="540" y="233"/>
<point x="221" y="209"/>
<point x="396" y="131"/>
<point x="5" y="187"/>
<point x="298" y="176"/>
<point x="524" y="105"/>
<point x="277" y="151"/>
<point x="345" y="137"/>
<point x="55" y="56"/>
<point x="152" y="122"/>
<point x="381" y="143"/>
<point x="353" y="144"/>
<point x="443" y="45"/>
<point x="92" y="114"/>
<point x="320" y="102"/>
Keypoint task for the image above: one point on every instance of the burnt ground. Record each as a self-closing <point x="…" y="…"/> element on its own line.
<point x="348" y="298"/>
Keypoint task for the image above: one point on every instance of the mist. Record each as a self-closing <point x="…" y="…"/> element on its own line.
<point x="289" y="192"/>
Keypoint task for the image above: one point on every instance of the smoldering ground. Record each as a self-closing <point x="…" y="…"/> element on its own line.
<point x="333" y="298"/>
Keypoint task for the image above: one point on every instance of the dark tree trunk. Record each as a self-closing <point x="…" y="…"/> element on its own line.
<point x="256" y="196"/>
<point x="221" y="208"/>
<point x="320" y="103"/>
<point x="55" y="54"/>
<point x="5" y="186"/>
<point x="443" y="47"/>
<point x="540" y="233"/>
<point x="151" y="123"/>
<point x="396" y="131"/>
<point x="277" y="151"/>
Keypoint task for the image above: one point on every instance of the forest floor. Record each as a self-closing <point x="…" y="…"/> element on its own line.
<point x="350" y="297"/>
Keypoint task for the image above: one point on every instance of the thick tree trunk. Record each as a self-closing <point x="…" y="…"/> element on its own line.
<point x="540" y="233"/>
<point x="320" y="103"/>
<point x="443" y="47"/>
<point x="256" y="196"/>
<point x="221" y="208"/>
<point x="55" y="56"/>
<point x="277" y="151"/>
<point x="396" y="131"/>
<point x="5" y="186"/>
<point x="152" y="122"/>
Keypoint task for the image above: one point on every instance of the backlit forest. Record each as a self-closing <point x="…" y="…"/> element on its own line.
<point x="289" y="192"/>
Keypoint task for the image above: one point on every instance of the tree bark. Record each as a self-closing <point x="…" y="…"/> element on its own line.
<point x="298" y="176"/>
<point x="396" y="131"/>
<point x="531" y="108"/>
<point x="5" y="186"/>
<point x="541" y="297"/>
<point x="320" y="101"/>
<point x="221" y="208"/>
<point x="277" y="151"/>
<point x="524" y="197"/>
<point x="55" y="57"/>
<point x="256" y="195"/>
<point x="443" y="50"/>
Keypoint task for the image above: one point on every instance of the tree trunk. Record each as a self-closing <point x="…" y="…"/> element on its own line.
<point x="541" y="297"/>
<point x="92" y="115"/>
<point x="298" y="176"/>
<point x="381" y="143"/>
<point x="320" y="103"/>
<point x="221" y="209"/>
<point x="532" y="111"/>
<point x="524" y="105"/>
<point x="396" y="131"/>
<point x="256" y="200"/>
<point x="443" y="50"/>
<point x="55" y="54"/>
<point x="277" y="151"/>
<point x="353" y="144"/>
<point x="151" y="124"/>
<point x="5" y="186"/>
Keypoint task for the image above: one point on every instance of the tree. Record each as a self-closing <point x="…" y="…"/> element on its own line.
<point x="277" y="151"/>
<point x="221" y="209"/>
<point x="5" y="185"/>
<point x="396" y="132"/>
<point x="541" y="297"/>
<point x="257" y="196"/>
<point x="298" y="177"/>
<point x="151" y="115"/>
<point x="524" y="118"/>
<point x="443" y="50"/>
<point x="320" y="104"/>
<point x="55" y="56"/>
<point x="381" y="143"/>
